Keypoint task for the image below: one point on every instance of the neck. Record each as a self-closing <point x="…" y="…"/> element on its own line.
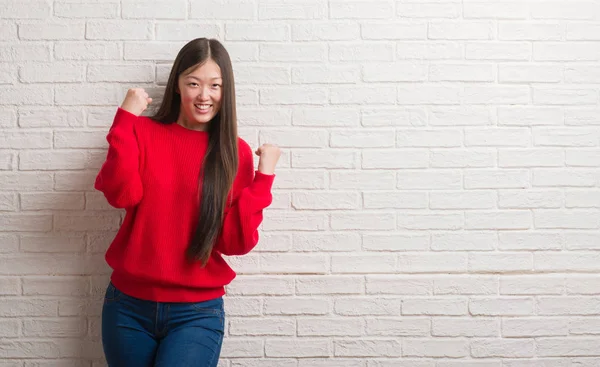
<point x="183" y="121"/>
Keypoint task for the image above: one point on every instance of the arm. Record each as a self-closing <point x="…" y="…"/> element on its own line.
<point x="119" y="177"/>
<point x="239" y="234"/>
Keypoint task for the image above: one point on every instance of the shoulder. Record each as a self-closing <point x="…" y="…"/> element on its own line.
<point x="147" y="122"/>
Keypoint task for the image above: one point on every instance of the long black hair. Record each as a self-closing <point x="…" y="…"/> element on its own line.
<point x="221" y="160"/>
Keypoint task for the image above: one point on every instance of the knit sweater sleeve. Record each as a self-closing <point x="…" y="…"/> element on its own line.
<point x="119" y="178"/>
<point x="239" y="234"/>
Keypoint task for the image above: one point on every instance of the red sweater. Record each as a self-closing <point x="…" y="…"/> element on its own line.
<point x="152" y="171"/>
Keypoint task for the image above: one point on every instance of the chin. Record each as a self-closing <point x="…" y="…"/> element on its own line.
<point x="201" y="120"/>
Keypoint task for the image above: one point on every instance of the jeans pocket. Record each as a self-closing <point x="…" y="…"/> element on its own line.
<point x="213" y="307"/>
<point x="112" y="293"/>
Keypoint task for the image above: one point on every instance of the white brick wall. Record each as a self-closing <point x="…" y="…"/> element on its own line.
<point x="437" y="200"/>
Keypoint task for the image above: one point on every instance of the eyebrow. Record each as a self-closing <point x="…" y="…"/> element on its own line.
<point x="193" y="77"/>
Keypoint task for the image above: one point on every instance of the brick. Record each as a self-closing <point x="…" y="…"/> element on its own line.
<point x="398" y="285"/>
<point x="223" y="9"/>
<point x="473" y="241"/>
<point x="516" y="240"/>
<point x="74" y="50"/>
<point x="293" y="95"/>
<point x="430" y="50"/>
<point x="119" y="30"/>
<point x="297" y="348"/>
<point x="387" y="159"/>
<point x="465" y="285"/>
<point x="161" y="9"/>
<point x="52" y="201"/>
<point x="324" y="74"/>
<point x="500" y="262"/>
<point x="465" y="30"/>
<point x="55" y="328"/>
<point x="257" y="32"/>
<point x="345" y="51"/>
<point x="296" y="306"/>
<point x="292" y="10"/>
<point x="432" y="180"/>
<point x="502" y="219"/>
<point x="580" y="10"/>
<point x="370" y="263"/>
<point x="530" y="116"/>
<point x="503" y="348"/>
<point x="179" y="31"/>
<point x="496" y="10"/>
<point x="564" y="347"/>
<point x="294" y="263"/>
<point x="410" y="241"/>
<point x="497" y="95"/>
<point x="367" y="348"/>
<point x="435" y="348"/>
<point x="329" y="285"/>
<point x="292" y="53"/>
<point x="394" y="200"/>
<point x="90" y="9"/>
<point x="398" y="327"/>
<point x="463" y="158"/>
<point x="316" y="31"/>
<point x="325" y="200"/>
<point x="531" y="73"/>
<point x="362" y="306"/>
<point x="29" y="9"/>
<point x="428" y="95"/>
<point x="433" y="306"/>
<point x="120" y="73"/>
<point x="319" y="327"/>
<point x="515" y="199"/>
<point x="428" y="10"/>
<point x="393" y="117"/>
<point x="30" y="51"/>
<point x="433" y="263"/>
<point x="262" y="327"/>
<point x="530" y="31"/>
<point x="357" y="9"/>
<point x="461" y="73"/>
<point x="394" y="31"/>
<point x="366" y="95"/>
<point x="505" y="306"/>
<point x="54" y="30"/>
<point x="254" y="286"/>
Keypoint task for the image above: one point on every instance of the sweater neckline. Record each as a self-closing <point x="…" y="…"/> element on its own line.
<point x="188" y="131"/>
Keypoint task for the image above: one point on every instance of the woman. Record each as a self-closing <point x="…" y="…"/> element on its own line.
<point x="191" y="195"/>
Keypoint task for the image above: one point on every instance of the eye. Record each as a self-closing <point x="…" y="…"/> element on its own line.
<point x="216" y="86"/>
<point x="193" y="84"/>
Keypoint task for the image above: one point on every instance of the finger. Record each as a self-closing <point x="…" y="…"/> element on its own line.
<point x="148" y="100"/>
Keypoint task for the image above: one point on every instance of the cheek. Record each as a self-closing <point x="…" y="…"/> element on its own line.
<point x="185" y="95"/>
<point x="218" y="96"/>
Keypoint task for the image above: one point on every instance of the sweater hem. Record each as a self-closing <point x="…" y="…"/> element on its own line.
<point x="151" y="291"/>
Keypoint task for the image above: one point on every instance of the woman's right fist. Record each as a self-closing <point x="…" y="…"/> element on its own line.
<point x="136" y="101"/>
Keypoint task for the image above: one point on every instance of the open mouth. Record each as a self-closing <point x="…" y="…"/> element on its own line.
<point x="202" y="108"/>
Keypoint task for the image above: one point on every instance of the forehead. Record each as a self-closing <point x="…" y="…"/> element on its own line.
<point x="207" y="70"/>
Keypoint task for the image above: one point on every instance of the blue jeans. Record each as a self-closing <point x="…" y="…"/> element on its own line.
<point x="139" y="333"/>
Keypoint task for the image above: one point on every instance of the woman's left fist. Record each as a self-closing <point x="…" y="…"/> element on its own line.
<point x="269" y="155"/>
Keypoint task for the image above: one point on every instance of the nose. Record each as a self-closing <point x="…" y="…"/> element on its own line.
<point x="203" y="94"/>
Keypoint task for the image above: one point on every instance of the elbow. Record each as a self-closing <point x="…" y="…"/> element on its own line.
<point x="120" y="202"/>
<point x="239" y="248"/>
<point x="121" y="198"/>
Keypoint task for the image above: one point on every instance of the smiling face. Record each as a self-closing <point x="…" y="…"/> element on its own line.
<point x="201" y="91"/>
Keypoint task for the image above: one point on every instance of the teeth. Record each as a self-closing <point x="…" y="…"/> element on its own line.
<point x="203" y="106"/>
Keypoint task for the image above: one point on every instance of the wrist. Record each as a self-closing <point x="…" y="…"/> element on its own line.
<point x="266" y="170"/>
